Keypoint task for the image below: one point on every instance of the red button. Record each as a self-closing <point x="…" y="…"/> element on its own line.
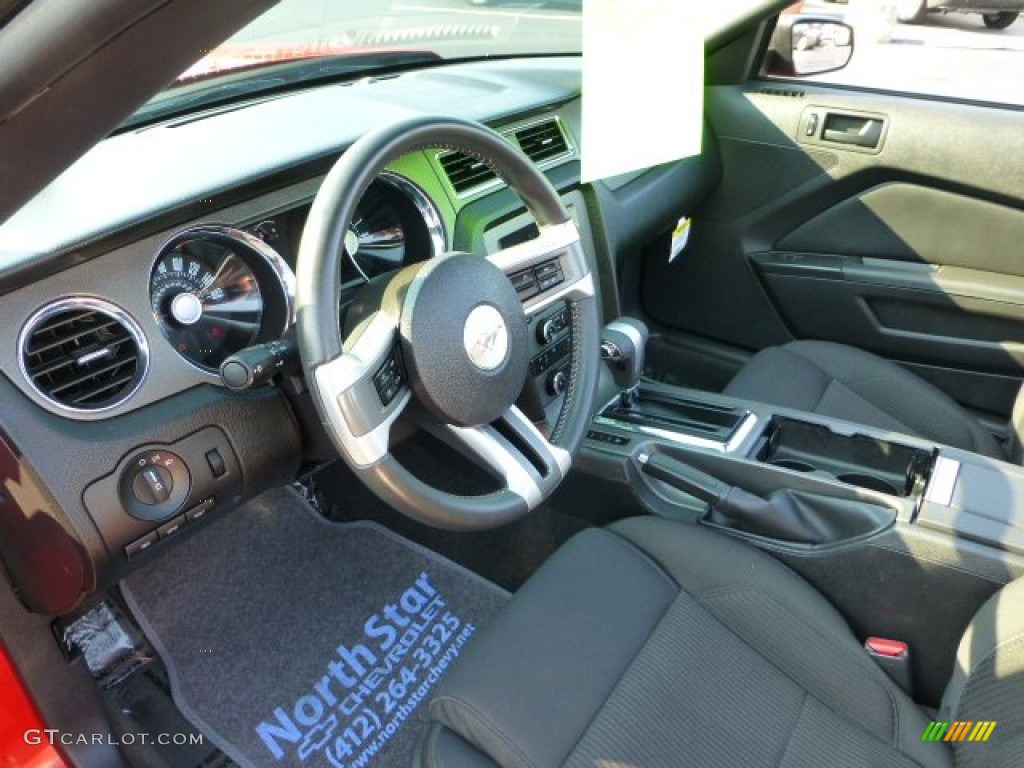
<point x="882" y="646"/>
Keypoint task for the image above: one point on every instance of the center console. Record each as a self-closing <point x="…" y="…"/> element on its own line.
<point x="763" y="449"/>
<point x="762" y="474"/>
<point x="905" y="537"/>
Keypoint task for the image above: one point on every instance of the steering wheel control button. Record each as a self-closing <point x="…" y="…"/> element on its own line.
<point x="550" y="357"/>
<point x="543" y="277"/>
<point x="485" y="338"/>
<point x="549" y="274"/>
<point x="553" y="327"/>
<point x="525" y="283"/>
<point x="388" y="379"/>
<point x="154" y="485"/>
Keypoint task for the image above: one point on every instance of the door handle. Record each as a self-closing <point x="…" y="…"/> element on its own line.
<point x="853" y="129"/>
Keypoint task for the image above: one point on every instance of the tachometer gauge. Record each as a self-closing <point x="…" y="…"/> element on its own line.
<point x="215" y="291"/>
<point x="395" y="224"/>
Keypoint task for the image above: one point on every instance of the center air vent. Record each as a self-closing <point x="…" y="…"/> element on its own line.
<point x="465" y="172"/>
<point x="83" y="354"/>
<point x="543" y="142"/>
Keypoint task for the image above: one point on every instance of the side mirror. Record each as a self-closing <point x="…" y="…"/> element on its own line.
<point x="806" y="46"/>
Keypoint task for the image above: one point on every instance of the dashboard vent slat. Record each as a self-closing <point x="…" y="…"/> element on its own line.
<point x="57" y="339"/>
<point x="96" y="373"/>
<point x="465" y="172"/>
<point x="83" y="354"/>
<point x="114" y="386"/>
<point x="543" y="141"/>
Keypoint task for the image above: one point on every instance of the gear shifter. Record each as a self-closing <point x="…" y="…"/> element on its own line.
<point x="623" y="342"/>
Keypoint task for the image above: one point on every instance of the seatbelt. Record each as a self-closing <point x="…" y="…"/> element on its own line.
<point x="893" y="656"/>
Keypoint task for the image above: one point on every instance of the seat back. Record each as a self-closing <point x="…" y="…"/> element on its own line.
<point x="1015" y="445"/>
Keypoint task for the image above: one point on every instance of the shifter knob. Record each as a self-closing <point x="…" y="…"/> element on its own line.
<point x="623" y="342"/>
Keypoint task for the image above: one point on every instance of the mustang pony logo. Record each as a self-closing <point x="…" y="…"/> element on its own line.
<point x="486" y="337"/>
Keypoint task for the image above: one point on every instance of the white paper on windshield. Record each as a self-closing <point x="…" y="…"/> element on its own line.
<point x="643" y="85"/>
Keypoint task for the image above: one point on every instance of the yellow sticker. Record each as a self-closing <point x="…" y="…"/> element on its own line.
<point x="680" y="237"/>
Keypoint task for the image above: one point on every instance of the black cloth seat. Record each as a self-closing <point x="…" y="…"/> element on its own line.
<point x="657" y="643"/>
<point x="848" y="383"/>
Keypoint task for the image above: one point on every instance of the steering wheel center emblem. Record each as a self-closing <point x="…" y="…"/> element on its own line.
<point x="486" y="338"/>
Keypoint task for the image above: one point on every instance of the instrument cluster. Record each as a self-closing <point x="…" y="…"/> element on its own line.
<point x="216" y="290"/>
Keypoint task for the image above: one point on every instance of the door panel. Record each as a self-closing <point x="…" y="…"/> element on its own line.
<point x="913" y="248"/>
<point x="912" y="222"/>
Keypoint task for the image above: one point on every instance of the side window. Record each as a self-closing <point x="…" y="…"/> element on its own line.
<point x="928" y="47"/>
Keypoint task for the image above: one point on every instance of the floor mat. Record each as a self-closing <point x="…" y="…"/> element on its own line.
<point x="293" y="641"/>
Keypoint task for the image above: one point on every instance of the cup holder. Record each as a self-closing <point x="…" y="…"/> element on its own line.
<point x="793" y="464"/>
<point x="869" y="482"/>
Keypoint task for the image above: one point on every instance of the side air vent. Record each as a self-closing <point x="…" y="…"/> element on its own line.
<point x="465" y="172"/>
<point x="543" y="141"/>
<point x="83" y="354"/>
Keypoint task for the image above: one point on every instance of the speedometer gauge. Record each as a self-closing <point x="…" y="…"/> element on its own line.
<point x="215" y="291"/>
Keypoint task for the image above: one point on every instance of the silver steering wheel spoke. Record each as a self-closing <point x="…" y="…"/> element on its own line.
<point x="549" y="268"/>
<point x="364" y="391"/>
<point x="514" y="450"/>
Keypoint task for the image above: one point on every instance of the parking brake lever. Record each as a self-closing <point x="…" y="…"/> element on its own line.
<point x="685" y="478"/>
<point x="786" y="515"/>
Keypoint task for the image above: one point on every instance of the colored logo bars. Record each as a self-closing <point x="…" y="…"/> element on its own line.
<point x="958" y="730"/>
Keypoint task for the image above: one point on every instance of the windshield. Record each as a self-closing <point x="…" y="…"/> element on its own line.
<point x="300" y="40"/>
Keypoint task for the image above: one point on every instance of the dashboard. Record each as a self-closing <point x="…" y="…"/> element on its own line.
<point x="166" y="250"/>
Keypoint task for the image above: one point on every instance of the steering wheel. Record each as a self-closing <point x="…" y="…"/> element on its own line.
<point x="450" y="333"/>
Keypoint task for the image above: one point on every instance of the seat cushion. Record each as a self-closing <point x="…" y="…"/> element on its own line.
<point x="848" y="383"/>
<point x="988" y="682"/>
<point x="657" y="643"/>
